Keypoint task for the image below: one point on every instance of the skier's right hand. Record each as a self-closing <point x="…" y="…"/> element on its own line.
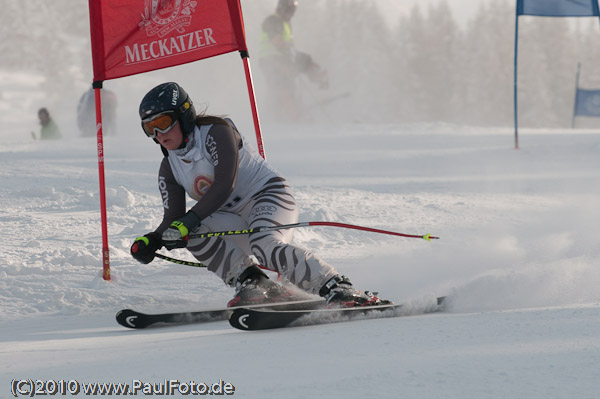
<point x="143" y="248"/>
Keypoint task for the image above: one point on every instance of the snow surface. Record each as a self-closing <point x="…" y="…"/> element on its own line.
<point x="518" y="251"/>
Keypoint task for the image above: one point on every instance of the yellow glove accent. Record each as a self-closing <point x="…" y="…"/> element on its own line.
<point x="144" y="239"/>
<point x="181" y="227"/>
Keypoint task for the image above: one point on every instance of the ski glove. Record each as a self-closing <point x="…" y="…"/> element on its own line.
<point x="177" y="235"/>
<point x="143" y="248"/>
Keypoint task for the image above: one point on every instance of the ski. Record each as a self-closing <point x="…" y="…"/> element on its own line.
<point x="138" y="320"/>
<point x="264" y="319"/>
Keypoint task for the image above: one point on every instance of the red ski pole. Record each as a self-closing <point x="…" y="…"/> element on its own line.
<point x="427" y="237"/>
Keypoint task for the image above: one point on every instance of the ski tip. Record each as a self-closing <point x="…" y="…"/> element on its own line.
<point x="124" y="312"/>
<point x="239" y="319"/>
<point x="128" y="318"/>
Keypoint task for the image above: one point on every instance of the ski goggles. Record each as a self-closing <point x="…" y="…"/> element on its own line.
<point x="159" y="123"/>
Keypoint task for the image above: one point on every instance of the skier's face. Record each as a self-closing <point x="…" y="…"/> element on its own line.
<point x="173" y="139"/>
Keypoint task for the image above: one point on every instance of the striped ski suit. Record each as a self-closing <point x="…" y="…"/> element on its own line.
<point x="236" y="189"/>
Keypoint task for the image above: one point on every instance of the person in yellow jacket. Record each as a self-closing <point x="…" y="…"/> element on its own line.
<point x="49" y="130"/>
<point x="283" y="64"/>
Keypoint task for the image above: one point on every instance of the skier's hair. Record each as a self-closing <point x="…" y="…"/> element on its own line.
<point x="210" y="120"/>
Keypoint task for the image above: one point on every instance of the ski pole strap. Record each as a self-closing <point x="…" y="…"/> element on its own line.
<point x="427" y="237"/>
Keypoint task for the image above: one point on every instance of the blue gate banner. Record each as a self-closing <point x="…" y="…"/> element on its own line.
<point x="587" y="103"/>
<point x="558" y="8"/>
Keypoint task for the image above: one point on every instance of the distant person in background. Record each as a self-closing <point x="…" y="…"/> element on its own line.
<point x="49" y="130"/>
<point x="86" y="113"/>
<point x="283" y="65"/>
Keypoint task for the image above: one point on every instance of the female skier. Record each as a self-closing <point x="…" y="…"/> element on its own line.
<point x="207" y="158"/>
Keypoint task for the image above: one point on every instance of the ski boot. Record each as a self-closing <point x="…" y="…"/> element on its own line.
<point x="254" y="287"/>
<point x="339" y="292"/>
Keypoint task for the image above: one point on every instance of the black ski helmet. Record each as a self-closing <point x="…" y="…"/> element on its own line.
<point x="170" y="97"/>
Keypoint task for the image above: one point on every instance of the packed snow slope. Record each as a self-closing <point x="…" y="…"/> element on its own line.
<point x="518" y="253"/>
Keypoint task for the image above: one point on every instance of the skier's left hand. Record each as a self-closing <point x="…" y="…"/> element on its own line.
<point x="177" y="235"/>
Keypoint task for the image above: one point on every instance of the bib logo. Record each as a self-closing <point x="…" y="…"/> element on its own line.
<point x="165" y="23"/>
<point x="201" y="186"/>
<point x="163" y="16"/>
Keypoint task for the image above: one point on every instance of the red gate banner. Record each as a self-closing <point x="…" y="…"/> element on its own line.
<point x="135" y="36"/>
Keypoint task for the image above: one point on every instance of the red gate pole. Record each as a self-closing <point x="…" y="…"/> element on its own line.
<point x="259" y="140"/>
<point x="100" y="145"/>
